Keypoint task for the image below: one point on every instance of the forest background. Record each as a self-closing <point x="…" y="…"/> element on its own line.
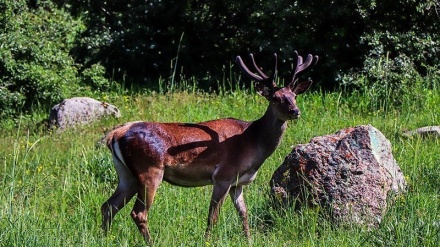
<point x="50" y="50"/>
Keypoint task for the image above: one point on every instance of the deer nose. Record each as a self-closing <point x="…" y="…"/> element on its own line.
<point x="295" y="111"/>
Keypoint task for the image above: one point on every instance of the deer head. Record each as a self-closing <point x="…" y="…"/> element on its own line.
<point x="282" y="99"/>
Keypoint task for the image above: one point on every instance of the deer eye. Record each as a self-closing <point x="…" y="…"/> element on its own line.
<point x="277" y="99"/>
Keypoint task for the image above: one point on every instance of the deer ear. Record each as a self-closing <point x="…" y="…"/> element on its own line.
<point x="301" y="87"/>
<point x="262" y="90"/>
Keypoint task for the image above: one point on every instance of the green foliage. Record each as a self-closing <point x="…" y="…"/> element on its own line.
<point x="95" y="77"/>
<point x="36" y="67"/>
<point x="9" y="101"/>
<point x="402" y="55"/>
<point x="388" y="82"/>
<point x="53" y="49"/>
<point x="35" y="64"/>
<point x="138" y="40"/>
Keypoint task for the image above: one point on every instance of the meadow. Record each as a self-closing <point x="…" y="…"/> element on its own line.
<point x="53" y="185"/>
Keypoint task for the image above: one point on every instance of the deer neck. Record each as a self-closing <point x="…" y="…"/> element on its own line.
<point x="268" y="131"/>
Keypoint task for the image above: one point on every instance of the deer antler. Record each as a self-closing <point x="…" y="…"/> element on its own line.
<point x="302" y="66"/>
<point x="259" y="76"/>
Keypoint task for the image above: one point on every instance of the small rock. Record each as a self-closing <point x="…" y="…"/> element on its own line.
<point x="80" y="110"/>
<point x="428" y="131"/>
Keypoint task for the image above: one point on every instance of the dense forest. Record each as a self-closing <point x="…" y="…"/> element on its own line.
<point x="54" y="49"/>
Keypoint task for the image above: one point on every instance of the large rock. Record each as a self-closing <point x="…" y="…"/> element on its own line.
<point x="80" y="110"/>
<point x="351" y="174"/>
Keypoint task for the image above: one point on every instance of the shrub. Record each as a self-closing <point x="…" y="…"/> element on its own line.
<point x="36" y="67"/>
<point x="95" y="77"/>
<point x="402" y="52"/>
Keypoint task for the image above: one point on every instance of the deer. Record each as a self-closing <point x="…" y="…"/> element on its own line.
<point x="225" y="153"/>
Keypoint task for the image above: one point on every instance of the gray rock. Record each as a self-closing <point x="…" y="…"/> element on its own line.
<point x="80" y="110"/>
<point x="428" y="131"/>
<point x="351" y="174"/>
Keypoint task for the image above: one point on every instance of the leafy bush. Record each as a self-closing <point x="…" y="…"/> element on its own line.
<point x="9" y="101"/>
<point x="95" y="77"/>
<point x="402" y="52"/>
<point x="35" y="64"/>
<point x="36" y="67"/>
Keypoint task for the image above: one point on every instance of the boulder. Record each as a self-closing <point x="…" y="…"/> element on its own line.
<point x="80" y="110"/>
<point x="351" y="174"/>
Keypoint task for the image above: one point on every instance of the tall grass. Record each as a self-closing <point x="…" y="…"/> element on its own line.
<point x="52" y="185"/>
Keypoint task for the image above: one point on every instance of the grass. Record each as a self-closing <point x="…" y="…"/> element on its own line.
<point x="52" y="185"/>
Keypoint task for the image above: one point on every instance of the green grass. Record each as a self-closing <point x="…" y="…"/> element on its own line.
<point x="53" y="185"/>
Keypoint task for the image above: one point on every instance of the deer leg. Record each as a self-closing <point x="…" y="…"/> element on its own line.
<point x="219" y="192"/>
<point x="149" y="182"/>
<point x="237" y="197"/>
<point x="127" y="188"/>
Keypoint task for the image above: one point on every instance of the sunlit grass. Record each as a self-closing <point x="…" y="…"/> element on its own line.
<point x="52" y="185"/>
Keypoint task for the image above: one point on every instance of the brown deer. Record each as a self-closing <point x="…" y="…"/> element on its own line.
<point x="225" y="153"/>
